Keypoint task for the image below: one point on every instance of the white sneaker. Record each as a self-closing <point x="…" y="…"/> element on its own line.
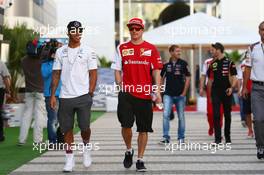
<point x="87" y="160"/>
<point x="69" y="163"/>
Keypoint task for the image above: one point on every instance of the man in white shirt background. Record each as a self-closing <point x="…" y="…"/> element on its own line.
<point x="254" y="71"/>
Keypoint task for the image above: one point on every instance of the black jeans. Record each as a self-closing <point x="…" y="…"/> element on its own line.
<point x="219" y="97"/>
<point x="2" y="96"/>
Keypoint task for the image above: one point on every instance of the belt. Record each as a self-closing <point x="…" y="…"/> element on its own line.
<point x="259" y="83"/>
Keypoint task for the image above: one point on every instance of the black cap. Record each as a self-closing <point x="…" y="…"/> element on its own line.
<point x="73" y="25"/>
<point x="218" y="46"/>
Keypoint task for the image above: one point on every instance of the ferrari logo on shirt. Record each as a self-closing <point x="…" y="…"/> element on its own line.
<point x="127" y="52"/>
<point x="146" y="53"/>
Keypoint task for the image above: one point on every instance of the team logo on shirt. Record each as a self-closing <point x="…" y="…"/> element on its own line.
<point x="126" y="62"/>
<point x="145" y="53"/>
<point x="169" y="68"/>
<point x="214" y="66"/>
<point x="178" y="69"/>
<point x="64" y="51"/>
<point x="127" y="52"/>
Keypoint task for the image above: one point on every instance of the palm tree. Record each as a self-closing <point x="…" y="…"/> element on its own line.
<point x="18" y="38"/>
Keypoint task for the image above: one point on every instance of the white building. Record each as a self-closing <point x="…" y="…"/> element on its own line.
<point x="247" y="13"/>
<point x="98" y="18"/>
<point x="34" y="13"/>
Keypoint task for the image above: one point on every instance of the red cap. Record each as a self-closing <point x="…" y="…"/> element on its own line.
<point x="135" y="21"/>
<point x="35" y="42"/>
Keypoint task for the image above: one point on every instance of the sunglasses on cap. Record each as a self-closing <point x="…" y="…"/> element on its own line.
<point x="135" y="28"/>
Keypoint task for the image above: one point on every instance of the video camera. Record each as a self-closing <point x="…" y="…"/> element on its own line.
<point x="49" y="49"/>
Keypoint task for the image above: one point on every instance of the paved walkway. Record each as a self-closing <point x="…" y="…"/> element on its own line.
<point x="240" y="159"/>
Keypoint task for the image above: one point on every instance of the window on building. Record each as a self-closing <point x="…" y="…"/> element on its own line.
<point x="39" y="2"/>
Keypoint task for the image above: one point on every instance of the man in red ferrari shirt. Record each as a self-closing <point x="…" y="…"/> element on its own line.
<point x="137" y="64"/>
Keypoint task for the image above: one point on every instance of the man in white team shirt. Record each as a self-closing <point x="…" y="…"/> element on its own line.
<point x="255" y="72"/>
<point x="76" y="65"/>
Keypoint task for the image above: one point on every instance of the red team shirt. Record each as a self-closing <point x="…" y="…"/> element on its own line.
<point x="136" y="63"/>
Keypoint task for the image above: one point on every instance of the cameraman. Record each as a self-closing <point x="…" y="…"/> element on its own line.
<point x="34" y="99"/>
<point x="48" y="55"/>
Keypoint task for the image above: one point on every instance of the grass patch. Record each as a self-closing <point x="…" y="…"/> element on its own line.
<point x="12" y="156"/>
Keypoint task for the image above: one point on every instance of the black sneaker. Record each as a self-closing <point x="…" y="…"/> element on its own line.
<point x="216" y="143"/>
<point x="128" y="161"/>
<point x="140" y="166"/>
<point x="260" y="154"/>
<point x="20" y="144"/>
<point x="228" y="140"/>
<point x="164" y="141"/>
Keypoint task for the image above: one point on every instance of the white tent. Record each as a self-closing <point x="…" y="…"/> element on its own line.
<point x="200" y="28"/>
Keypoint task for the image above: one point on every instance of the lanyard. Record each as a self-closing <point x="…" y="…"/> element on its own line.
<point x="75" y="56"/>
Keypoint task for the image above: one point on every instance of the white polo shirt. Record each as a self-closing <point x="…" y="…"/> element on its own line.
<point x="205" y="67"/>
<point x="255" y="60"/>
<point x="3" y="73"/>
<point x="74" y="64"/>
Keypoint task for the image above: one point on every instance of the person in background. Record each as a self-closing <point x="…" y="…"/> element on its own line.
<point x="239" y="89"/>
<point x="177" y="78"/>
<point x="46" y="71"/>
<point x="34" y="98"/>
<point x="197" y="78"/>
<point x="254" y="70"/>
<point x="4" y="90"/>
<point x="246" y="102"/>
<point x="209" y="106"/>
<point x="223" y="71"/>
<point x="172" y="116"/>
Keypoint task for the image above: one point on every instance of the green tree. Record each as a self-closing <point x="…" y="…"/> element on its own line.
<point x="104" y="62"/>
<point x="18" y="38"/>
<point x="235" y="56"/>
